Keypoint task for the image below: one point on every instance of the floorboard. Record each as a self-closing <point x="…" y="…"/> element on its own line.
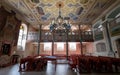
<point x="61" y="69"/>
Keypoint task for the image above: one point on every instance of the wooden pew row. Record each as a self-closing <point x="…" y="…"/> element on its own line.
<point x="23" y="62"/>
<point x="102" y="64"/>
<point x="116" y="63"/>
<point x="105" y="63"/>
<point x="73" y="59"/>
<point x="83" y="64"/>
<point x="94" y="64"/>
<point x="32" y="64"/>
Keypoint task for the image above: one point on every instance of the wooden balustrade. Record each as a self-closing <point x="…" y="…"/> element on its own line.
<point x="87" y="36"/>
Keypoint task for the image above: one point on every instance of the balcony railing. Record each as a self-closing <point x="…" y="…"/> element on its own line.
<point x="86" y="36"/>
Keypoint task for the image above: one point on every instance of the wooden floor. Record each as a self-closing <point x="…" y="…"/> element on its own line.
<point x="61" y="69"/>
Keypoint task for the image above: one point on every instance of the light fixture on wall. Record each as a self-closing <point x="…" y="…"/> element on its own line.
<point x="60" y="23"/>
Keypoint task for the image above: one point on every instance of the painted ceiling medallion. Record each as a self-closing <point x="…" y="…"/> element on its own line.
<point x="60" y="4"/>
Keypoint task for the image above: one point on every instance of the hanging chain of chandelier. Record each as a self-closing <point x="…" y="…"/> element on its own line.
<point x="60" y="23"/>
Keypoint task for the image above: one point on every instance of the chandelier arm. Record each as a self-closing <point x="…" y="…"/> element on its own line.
<point x="59" y="12"/>
<point x="60" y="24"/>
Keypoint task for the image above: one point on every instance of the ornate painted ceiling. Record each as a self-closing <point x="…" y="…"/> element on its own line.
<point x="43" y="12"/>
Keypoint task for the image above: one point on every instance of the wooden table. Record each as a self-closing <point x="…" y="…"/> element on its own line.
<point x="51" y="58"/>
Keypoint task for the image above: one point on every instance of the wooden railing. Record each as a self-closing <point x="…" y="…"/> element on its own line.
<point x="86" y="36"/>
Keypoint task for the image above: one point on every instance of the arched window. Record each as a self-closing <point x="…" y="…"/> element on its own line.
<point x="20" y="38"/>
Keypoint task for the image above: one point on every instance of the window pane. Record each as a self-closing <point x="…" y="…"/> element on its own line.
<point x="72" y="46"/>
<point x="60" y="46"/>
<point x="47" y="46"/>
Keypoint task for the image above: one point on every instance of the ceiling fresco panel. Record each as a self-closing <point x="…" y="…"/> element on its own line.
<point x="44" y="11"/>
